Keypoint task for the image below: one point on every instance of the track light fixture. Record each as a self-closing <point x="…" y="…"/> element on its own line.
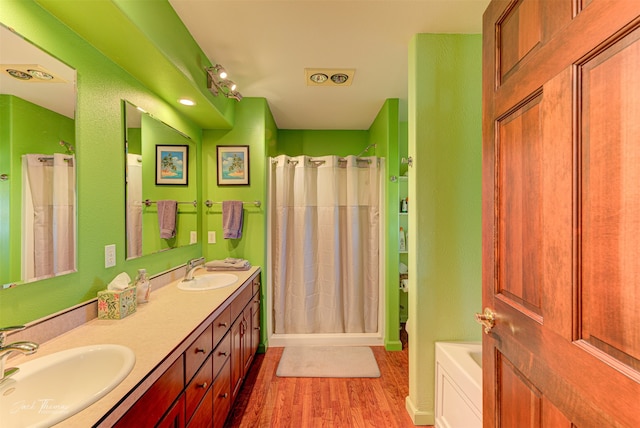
<point x="217" y="83"/>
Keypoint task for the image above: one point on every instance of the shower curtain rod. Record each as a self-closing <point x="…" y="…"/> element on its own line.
<point x="320" y="162"/>
<point x="48" y="158"/>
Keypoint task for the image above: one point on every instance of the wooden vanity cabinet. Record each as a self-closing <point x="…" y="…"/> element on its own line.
<point x="199" y="388"/>
<point x="151" y="407"/>
<point x="244" y="342"/>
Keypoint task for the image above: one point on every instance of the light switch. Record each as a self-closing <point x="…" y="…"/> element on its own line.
<point x="212" y="237"/>
<point x="109" y="255"/>
<point x="193" y="237"/>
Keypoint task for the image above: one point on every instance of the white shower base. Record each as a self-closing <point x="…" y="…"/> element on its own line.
<point x="322" y="339"/>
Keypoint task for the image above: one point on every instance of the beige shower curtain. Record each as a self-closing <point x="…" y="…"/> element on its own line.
<point x="325" y="222"/>
<point x="49" y="209"/>
<point x="134" y="205"/>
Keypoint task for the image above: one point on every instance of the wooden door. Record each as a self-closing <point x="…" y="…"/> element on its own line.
<point x="561" y="213"/>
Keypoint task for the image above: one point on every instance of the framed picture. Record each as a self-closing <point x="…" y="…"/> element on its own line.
<point x="233" y="165"/>
<point x="172" y="165"/>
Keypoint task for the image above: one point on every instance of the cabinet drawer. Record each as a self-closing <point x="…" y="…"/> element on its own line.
<point x="221" y="325"/>
<point x="238" y="304"/>
<point x="221" y="353"/>
<point x="198" y="352"/>
<point x="151" y="406"/>
<point x="198" y="387"/>
<point x="222" y="396"/>
<point x="202" y="417"/>
<point x="256" y="284"/>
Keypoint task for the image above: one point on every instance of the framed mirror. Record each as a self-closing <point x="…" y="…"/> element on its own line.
<point x="38" y="202"/>
<point x="159" y="163"/>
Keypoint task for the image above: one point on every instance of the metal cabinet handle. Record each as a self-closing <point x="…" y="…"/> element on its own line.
<point x="223" y="324"/>
<point x="222" y="354"/>
<point x="202" y="385"/>
<point x="487" y="319"/>
<point x="200" y="350"/>
<point x="225" y="395"/>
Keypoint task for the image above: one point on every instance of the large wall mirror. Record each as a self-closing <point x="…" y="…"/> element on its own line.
<point x="160" y="169"/>
<point x="37" y="163"/>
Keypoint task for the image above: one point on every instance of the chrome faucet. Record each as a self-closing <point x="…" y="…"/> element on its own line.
<point x="26" y="348"/>
<point x="192" y="266"/>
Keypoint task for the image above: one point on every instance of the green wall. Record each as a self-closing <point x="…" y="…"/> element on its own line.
<point x="445" y="141"/>
<point x="100" y="172"/>
<point x="321" y="142"/>
<point x="384" y="133"/>
<point x="28" y="128"/>
<point x="254" y="127"/>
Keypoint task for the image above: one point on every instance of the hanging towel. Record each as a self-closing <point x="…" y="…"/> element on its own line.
<point x="232" y="213"/>
<point x="167" y="218"/>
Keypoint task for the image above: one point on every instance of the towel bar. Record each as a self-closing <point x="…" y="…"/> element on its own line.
<point x="210" y="203"/>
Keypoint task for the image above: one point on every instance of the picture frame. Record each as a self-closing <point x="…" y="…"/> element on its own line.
<point x="233" y="165"/>
<point x="172" y="165"/>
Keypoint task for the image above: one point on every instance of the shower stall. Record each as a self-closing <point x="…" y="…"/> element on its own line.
<point x="326" y="251"/>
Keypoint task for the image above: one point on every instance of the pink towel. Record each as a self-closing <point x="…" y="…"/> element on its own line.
<point x="232" y="213"/>
<point x="167" y="218"/>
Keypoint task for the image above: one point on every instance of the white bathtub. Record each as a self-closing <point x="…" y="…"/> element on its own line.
<point x="458" y="384"/>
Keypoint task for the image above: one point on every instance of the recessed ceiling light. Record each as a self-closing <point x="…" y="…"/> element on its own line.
<point x="18" y="74"/>
<point x="186" y="102"/>
<point x="318" y="77"/>
<point x="339" y="78"/>
<point x="39" y="74"/>
<point x="329" y="76"/>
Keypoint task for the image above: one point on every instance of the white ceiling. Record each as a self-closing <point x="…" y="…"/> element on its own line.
<point x="265" y="45"/>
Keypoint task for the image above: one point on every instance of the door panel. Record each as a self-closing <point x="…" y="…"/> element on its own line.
<point x="520" y="405"/>
<point x="520" y="205"/>
<point x="611" y="207"/>
<point x="561" y="213"/>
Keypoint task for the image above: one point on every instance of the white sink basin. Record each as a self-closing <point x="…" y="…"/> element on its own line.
<point x="52" y="388"/>
<point x="210" y="281"/>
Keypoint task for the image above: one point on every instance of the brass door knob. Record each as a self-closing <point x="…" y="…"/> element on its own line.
<point x="487" y="319"/>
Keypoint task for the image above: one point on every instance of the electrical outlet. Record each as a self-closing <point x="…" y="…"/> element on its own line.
<point x="193" y="237"/>
<point x="212" y="237"/>
<point x="109" y="255"/>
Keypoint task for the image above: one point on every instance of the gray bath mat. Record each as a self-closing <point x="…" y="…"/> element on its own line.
<point x="328" y="361"/>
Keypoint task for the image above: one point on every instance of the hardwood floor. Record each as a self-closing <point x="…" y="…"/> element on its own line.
<point x="270" y="401"/>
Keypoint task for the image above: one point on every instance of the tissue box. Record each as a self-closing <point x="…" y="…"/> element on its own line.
<point x="117" y="304"/>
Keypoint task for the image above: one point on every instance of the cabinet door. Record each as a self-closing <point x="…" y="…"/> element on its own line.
<point x="154" y="403"/>
<point x="175" y="416"/>
<point x="237" y="330"/>
<point x="247" y="355"/>
<point x="255" y="325"/>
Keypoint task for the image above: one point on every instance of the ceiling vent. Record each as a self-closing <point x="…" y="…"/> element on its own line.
<point x="329" y="76"/>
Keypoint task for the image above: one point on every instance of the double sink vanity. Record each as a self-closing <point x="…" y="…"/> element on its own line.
<point x="178" y="361"/>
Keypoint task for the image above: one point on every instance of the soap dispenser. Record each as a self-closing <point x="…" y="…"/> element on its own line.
<point x="143" y="286"/>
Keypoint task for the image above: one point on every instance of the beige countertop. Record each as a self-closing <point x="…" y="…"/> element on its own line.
<point x="154" y="332"/>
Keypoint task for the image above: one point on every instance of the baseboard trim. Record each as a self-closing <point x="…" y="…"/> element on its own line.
<point x="419" y="417"/>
